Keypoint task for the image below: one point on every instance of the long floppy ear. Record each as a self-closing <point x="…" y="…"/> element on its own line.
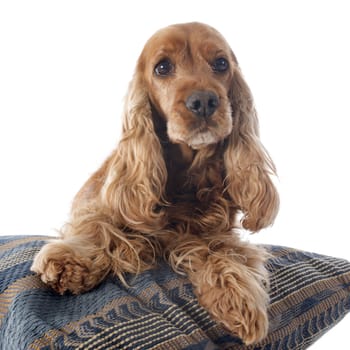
<point x="247" y="163"/>
<point x="130" y="184"/>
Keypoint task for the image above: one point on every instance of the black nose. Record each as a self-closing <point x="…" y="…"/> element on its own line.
<point x="202" y="103"/>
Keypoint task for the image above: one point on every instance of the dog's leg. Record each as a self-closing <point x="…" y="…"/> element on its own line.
<point x="230" y="281"/>
<point x="73" y="264"/>
<point x="85" y="255"/>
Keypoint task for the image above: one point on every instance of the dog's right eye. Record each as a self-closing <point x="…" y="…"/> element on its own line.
<point x="164" y="68"/>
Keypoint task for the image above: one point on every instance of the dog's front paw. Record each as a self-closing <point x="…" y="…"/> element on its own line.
<point x="63" y="270"/>
<point x="241" y="316"/>
<point x="239" y="302"/>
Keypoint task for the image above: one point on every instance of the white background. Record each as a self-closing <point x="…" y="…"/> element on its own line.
<point x="64" y="69"/>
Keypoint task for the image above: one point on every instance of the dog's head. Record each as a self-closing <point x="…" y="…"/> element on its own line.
<point x="188" y="70"/>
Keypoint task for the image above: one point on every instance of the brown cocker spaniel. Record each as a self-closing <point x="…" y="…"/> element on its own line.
<point x="188" y="169"/>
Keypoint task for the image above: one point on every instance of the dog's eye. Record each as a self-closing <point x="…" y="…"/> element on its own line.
<point x="220" y="65"/>
<point x="163" y="68"/>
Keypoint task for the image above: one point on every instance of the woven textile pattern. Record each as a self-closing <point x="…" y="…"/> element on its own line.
<point x="309" y="294"/>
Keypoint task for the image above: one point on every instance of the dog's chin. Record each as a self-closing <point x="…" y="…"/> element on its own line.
<point x="195" y="141"/>
<point x="202" y="139"/>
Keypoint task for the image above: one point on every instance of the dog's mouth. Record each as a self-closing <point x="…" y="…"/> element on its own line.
<point x="208" y="133"/>
<point x="199" y="132"/>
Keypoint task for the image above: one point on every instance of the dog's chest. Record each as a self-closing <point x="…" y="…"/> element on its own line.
<point x="197" y="200"/>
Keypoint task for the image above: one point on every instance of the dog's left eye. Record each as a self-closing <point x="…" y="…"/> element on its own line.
<point x="164" y="68"/>
<point x="220" y="65"/>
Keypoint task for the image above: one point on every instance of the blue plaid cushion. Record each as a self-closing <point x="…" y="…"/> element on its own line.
<point x="309" y="294"/>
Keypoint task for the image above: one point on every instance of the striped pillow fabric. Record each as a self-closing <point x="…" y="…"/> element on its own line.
<point x="309" y="294"/>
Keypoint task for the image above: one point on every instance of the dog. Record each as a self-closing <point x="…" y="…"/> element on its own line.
<point x="188" y="173"/>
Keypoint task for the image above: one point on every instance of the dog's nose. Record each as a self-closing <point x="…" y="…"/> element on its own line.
<point x="202" y="103"/>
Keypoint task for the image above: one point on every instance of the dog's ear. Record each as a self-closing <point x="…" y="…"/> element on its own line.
<point x="131" y="183"/>
<point x="247" y="162"/>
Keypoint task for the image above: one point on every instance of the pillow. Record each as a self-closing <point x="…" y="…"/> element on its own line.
<point x="309" y="294"/>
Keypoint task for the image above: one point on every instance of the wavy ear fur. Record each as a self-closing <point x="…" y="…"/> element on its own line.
<point x="130" y="184"/>
<point x="137" y="174"/>
<point x="247" y="163"/>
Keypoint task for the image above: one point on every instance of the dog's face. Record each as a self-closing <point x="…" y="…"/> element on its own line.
<point x="188" y="69"/>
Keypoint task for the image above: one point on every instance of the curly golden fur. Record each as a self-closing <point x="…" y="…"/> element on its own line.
<point x="188" y="166"/>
